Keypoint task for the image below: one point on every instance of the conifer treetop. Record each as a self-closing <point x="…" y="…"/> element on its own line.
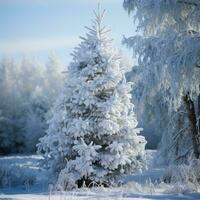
<point x="97" y="29"/>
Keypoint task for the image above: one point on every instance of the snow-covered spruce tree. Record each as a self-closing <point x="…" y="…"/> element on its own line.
<point x="93" y="134"/>
<point x="168" y="56"/>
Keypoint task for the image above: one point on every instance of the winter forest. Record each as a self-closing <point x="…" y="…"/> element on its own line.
<point x="118" y="117"/>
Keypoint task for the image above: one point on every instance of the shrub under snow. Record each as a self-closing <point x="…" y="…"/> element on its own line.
<point x="185" y="177"/>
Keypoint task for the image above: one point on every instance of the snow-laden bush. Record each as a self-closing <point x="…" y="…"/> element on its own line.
<point x="93" y="134"/>
<point x="185" y="177"/>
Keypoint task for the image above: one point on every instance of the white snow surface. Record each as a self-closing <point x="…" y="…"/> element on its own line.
<point x="142" y="185"/>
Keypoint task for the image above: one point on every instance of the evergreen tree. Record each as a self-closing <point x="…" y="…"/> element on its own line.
<point x="92" y="136"/>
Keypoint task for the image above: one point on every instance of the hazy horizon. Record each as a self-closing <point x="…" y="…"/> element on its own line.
<point x="36" y="28"/>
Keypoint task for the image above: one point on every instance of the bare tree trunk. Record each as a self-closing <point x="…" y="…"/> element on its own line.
<point x="189" y="105"/>
<point x="198" y="115"/>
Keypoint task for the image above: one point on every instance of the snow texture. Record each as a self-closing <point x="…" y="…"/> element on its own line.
<point x="145" y="184"/>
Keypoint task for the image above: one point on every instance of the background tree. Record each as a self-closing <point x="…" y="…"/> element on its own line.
<point x="168" y="56"/>
<point x="28" y="89"/>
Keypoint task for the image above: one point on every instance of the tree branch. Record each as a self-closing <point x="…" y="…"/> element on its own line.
<point x="187" y="2"/>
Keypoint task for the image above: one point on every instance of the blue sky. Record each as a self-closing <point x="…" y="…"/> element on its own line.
<point x="35" y="28"/>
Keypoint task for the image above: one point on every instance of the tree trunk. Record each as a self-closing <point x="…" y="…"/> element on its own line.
<point x="189" y="105"/>
<point x="198" y="115"/>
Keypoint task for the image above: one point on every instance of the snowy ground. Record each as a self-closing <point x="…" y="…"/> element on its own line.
<point x="21" y="178"/>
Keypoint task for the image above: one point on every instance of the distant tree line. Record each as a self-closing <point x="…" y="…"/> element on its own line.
<point x="27" y="91"/>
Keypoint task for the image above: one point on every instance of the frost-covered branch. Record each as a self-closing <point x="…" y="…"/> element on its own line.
<point x="167" y="52"/>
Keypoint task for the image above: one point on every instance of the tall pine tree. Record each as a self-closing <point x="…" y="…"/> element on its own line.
<point x="93" y="135"/>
